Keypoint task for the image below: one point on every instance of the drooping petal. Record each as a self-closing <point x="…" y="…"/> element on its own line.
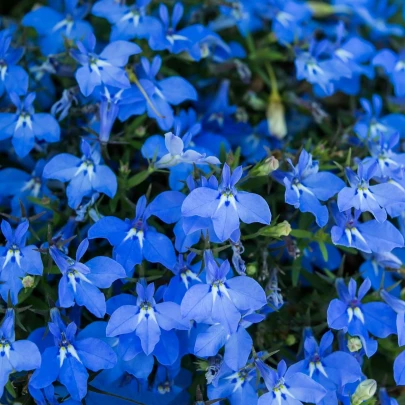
<point x="73" y="375"/>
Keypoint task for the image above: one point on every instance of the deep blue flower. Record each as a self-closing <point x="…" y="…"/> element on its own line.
<point x="288" y="386"/>
<point x="370" y="236"/>
<point x="69" y="358"/>
<point x="394" y="67"/>
<point x="13" y="78"/>
<point x="147" y="319"/>
<point x="15" y="355"/>
<point x="226" y="206"/>
<point x="17" y="260"/>
<point x="85" y="175"/>
<point x="104" y="68"/>
<point x="164" y="96"/>
<point x="167" y="36"/>
<point x="365" y="197"/>
<point x="21" y="185"/>
<point x="127" y="22"/>
<point x="135" y="240"/>
<point x="331" y="370"/>
<point x="53" y="26"/>
<point x="349" y="314"/>
<point x="220" y="299"/>
<point x="80" y="282"/>
<point x="25" y="125"/>
<point x="306" y="187"/>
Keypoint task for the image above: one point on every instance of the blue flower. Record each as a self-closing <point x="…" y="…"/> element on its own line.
<point x="349" y="314"/>
<point x="220" y="299"/>
<point x="185" y="276"/>
<point x="147" y="319"/>
<point x="398" y="306"/>
<point x="15" y="355"/>
<point x="104" y="68"/>
<point x="238" y="345"/>
<point x="331" y="370"/>
<point x="24" y="126"/>
<point x="17" y="260"/>
<point x="306" y="187"/>
<point x="167" y="36"/>
<point x="164" y="96"/>
<point x="13" y="78"/>
<point x="85" y="175"/>
<point x="68" y="359"/>
<point x="288" y="386"/>
<point x="135" y="240"/>
<point x="21" y="185"/>
<point x="128" y="22"/>
<point x="238" y="387"/>
<point x="53" y="26"/>
<point x="176" y="154"/>
<point x="394" y="67"/>
<point x="385" y="399"/>
<point x="365" y="197"/>
<point x="80" y="282"/>
<point x="226" y="206"/>
<point x="370" y="236"/>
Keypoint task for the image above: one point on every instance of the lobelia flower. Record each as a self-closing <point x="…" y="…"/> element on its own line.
<point x="288" y="18"/>
<point x="185" y="276"/>
<point x="376" y="268"/>
<point x="221" y="300"/>
<point x="85" y="175"/>
<point x="365" y="197"/>
<point x="17" y="260"/>
<point x="238" y="345"/>
<point x="20" y="355"/>
<point x="53" y="27"/>
<point x="394" y="67"/>
<point x="167" y="36"/>
<point x="134" y="240"/>
<point x="176" y="154"/>
<point x="306" y="187"/>
<point x="69" y="358"/>
<point x="288" y="386"/>
<point x="226" y="206"/>
<point x="238" y="387"/>
<point x="349" y="314"/>
<point x="331" y="370"/>
<point x="80" y="282"/>
<point x="150" y="321"/>
<point x="104" y="68"/>
<point x="163" y="95"/>
<point x="370" y="236"/>
<point x="24" y="126"/>
<point x="371" y="126"/>
<point x="127" y="22"/>
<point x="13" y="78"/>
<point x="21" y="185"/>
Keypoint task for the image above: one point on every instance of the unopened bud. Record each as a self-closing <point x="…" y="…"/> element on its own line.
<point x="276" y="231"/>
<point x="354" y="344"/>
<point x="140" y="131"/>
<point x="266" y="167"/>
<point x="291" y="340"/>
<point x="276" y="117"/>
<point x="251" y="269"/>
<point x="28" y="282"/>
<point x="364" y="391"/>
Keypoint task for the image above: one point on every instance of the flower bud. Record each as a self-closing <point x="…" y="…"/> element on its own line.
<point x="276" y="117"/>
<point x="266" y="167"/>
<point x="276" y="231"/>
<point x="28" y="282"/>
<point x="364" y="391"/>
<point x="354" y="344"/>
<point x="251" y="269"/>
<point x="291" y="340"/>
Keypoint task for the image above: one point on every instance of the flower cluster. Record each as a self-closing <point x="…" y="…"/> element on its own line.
<point x="202" y="202"/>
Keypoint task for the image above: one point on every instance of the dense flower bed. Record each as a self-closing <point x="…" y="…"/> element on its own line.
<point x="202" y="202"/>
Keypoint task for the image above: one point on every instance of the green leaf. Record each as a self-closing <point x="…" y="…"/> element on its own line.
<point x="138" y="178"/>
<point x="324" y="251"/>
<point x="10" y="389"/>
